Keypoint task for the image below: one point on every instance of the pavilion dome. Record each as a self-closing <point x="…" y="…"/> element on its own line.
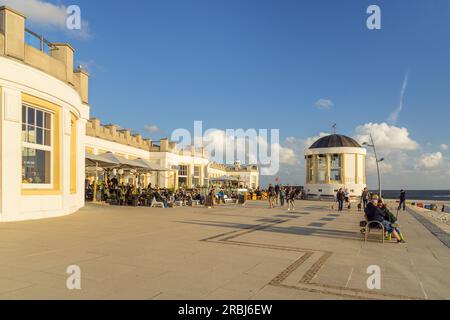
<point x="335" y="141"/>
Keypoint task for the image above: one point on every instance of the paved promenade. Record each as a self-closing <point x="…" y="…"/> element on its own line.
<point x="229" y="252"/>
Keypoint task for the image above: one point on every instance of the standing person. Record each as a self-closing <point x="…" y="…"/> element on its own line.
<point x="365" y="198"/>
<point x="282" y="196"/>
<point x="340" y="197"/>
<point x="402" y="200"/>
<point x="209" y="203"/>
<point x="277" y="193"/>
<point x="271" y="195"/>
<point x="291" y="199"/>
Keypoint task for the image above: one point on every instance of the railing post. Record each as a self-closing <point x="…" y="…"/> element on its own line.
<point x="41" y="38"/>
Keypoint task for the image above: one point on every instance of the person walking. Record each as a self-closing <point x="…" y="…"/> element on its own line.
<point x="402" y="200"/>
<point x="282" y="196"/>
<point x="271" y="196"/>
<point x="291" y="199"/>
<point x="340" y="197"/>
<point x="277" y="193"/>
<point x="365" y="198"/>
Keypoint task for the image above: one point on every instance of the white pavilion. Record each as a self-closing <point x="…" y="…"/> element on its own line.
<point x="335" y="162"/>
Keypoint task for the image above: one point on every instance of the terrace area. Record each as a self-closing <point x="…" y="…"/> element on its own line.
<point x="229" y="252"/>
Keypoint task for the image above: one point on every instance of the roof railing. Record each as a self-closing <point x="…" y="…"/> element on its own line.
<point x="38" y="41"/>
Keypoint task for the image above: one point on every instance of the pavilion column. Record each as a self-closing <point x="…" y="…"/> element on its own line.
<point x="328" y="174"/>
<point x="364" y="169"/>
<point x="315" y="178"/>
<point x="308" y="178"/>
<point x="344" y="178"/>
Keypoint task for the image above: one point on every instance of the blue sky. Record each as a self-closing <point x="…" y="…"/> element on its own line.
<point x="265" y="64"/>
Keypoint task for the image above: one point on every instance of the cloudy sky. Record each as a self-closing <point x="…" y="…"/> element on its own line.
<point x="297" y="66"/>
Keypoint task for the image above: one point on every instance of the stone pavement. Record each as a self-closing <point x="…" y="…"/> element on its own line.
<point x="230" y="252"/>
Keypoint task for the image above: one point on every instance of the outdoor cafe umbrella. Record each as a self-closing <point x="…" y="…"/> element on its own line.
<point x="123" y="163"/>
<point x="98" y="160"/>
<point x="151" y="167"/>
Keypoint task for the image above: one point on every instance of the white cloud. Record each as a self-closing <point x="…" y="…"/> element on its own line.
<point x="324" y="104"/>
<point x="393" y="118"/>
<point x="288" y="156"/>
<point x="444" y="147"/>
<point x="430" y="160"/>
<point x="151" y="129"/>
<point x="47" y="15"/>
<point x="371" y="166"/>
<point x="386" y="138"/>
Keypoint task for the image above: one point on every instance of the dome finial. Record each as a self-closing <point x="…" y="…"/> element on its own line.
<point x="334" y="126"/>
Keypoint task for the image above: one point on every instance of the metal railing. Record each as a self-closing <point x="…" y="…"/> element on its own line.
<point x="38" y="41"/>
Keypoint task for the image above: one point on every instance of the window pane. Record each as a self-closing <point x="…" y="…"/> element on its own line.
<point x="39" y="119"/>
<point x="182" y="182"/>
<point x="47" y="138"/>
<point x="196" y="182"/>
<point x="335" y="161"/>
<point x="36" y="166"/>
<point x="31" y="134"/>
<point x="24" y="133"/>
<point x="24" y="114"/>
<point x="39" y="136"/>
<point x="48" y="121"/>
<point x="335" y="175"/>
<point x="321" y="168"/>
<point x="31" y="116"/>
<point x="182" y="170"/>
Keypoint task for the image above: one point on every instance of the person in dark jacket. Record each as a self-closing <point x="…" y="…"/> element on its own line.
<point x="340" y="197"/>
<point x="375" y="212"/>
<point x="402" y="200"/>
<point x="365" y="198"/>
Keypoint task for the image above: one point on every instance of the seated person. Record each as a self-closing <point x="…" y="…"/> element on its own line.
<point x="374" y="212"/>
<point x="389" y="216"/>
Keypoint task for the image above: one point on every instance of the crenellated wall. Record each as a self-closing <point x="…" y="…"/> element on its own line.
<point x="113" y="133"/>
<point x="58" y="62"/>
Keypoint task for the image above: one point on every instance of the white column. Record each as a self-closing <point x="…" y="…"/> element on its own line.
<point x="11" y="163"/>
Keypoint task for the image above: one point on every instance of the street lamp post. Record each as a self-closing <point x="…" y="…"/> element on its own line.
<point x="378" y="161"/>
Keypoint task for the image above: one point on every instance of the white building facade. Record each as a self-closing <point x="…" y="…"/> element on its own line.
<point x="335" y="162"/>
<point x="44" y="109"/>
<point x="46" y="131"/>
<point x="178" y="168"/>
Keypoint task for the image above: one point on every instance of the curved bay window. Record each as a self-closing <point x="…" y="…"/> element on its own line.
<point x="321" y="168"/>
<point x="336" y="168"/>
<point x="37" y="147"/>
